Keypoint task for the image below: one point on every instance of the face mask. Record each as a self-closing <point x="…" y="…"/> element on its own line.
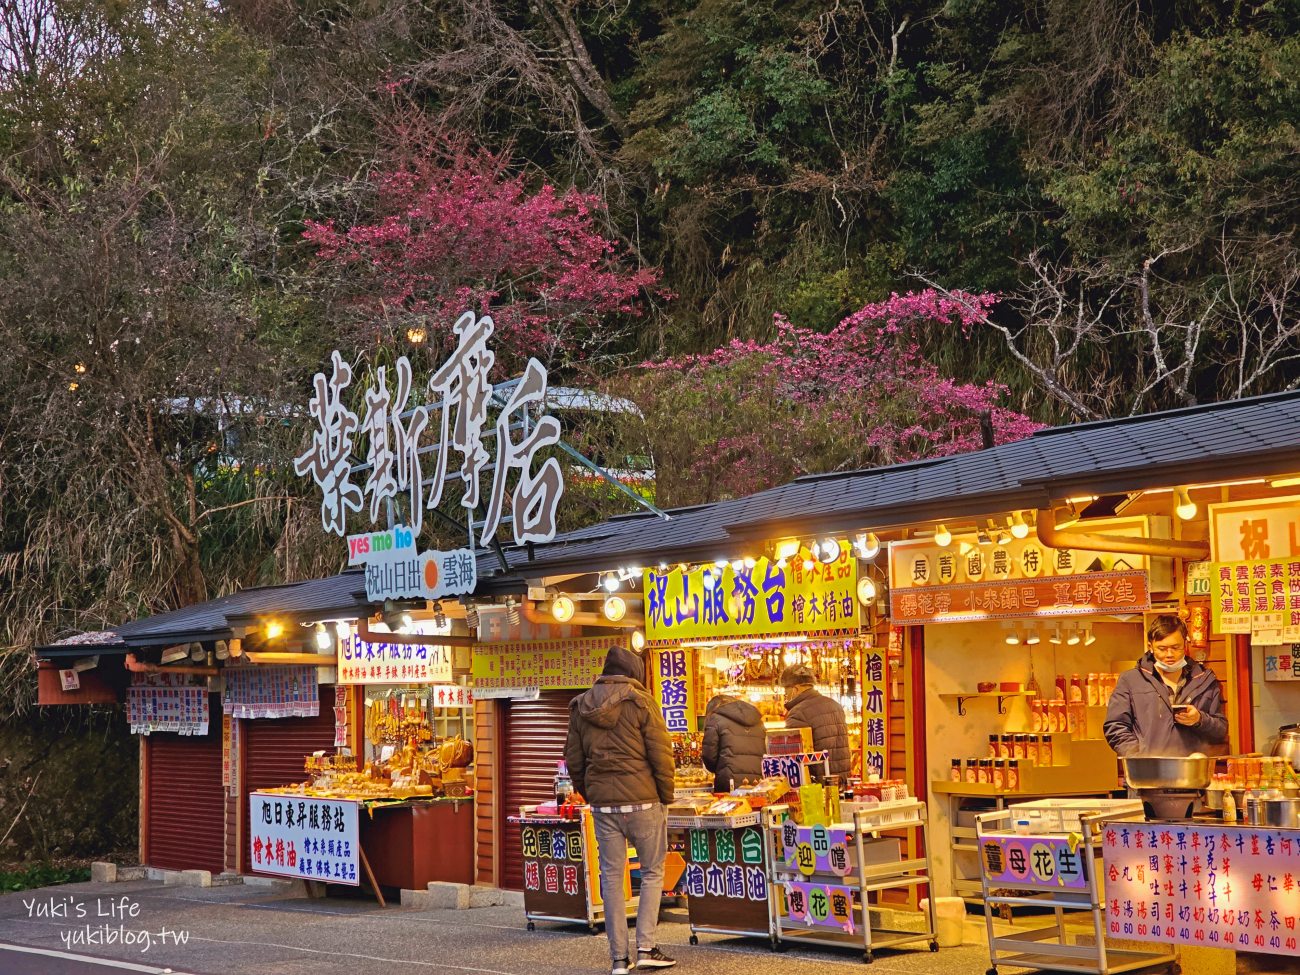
<point x="1172" y="668"/>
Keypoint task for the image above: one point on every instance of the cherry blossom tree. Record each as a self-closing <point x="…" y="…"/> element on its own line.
<point x="751" y="415"/>
<point x="454" y="227"/>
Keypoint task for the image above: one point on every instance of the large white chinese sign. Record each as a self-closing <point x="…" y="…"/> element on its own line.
<point x="460" y="393"/>
<point x="363" y="662"/>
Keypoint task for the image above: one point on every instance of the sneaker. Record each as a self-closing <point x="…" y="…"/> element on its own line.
<point x="620" y="967"/>
<point x="654" y="958"/>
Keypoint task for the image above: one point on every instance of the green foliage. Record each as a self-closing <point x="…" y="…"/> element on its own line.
<point x="41" y="875"/>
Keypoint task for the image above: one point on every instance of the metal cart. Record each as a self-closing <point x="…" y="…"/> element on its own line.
<point x="848" y="863"/>
<point x="562" y="870"/>
<point x="1056" y="865"/>
<point x="728" y="874"/>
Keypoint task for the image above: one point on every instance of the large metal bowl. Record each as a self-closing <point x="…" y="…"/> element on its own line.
<point x="1151" y="772"/>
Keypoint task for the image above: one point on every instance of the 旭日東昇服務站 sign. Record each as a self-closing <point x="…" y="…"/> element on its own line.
<point x="763" y="599"/>
<point x="365" y="662"/>
<point x="395" y="434"/>
<point x="311" y="839"/>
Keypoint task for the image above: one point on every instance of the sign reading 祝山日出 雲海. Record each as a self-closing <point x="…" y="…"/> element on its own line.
<point x="395" y="433"/>
<point x="767" y="598"/>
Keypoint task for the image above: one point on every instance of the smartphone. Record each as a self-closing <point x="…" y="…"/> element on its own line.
<point x="1183" y="707"/>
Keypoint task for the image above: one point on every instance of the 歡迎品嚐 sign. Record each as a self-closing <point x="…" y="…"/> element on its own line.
<point x="765" y="598"/>
<point x="309" y="839"/>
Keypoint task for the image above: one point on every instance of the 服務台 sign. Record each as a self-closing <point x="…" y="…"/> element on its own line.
<point x="310" y="839"/>
<point x="676" y="688"/>
<point x="765" y="599"/>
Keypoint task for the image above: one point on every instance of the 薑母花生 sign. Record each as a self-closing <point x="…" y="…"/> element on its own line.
<point x="766" y="598"/>
<point x="395" y="437"/>
<point x="1011" y="860"/>
<point x="308" y="839"/>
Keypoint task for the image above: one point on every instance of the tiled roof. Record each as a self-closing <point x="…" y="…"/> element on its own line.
<point x="1242" y="438"/>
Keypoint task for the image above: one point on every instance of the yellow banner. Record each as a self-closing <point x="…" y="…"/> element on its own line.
<point x="1261" y="598"/>
<point x="765" y="599"/>
<point x="544" y="664"/>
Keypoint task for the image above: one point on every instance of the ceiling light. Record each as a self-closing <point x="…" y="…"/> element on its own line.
<point x="1004" y="538"/>
<point x="562" y="609"/>
<point x="749" y="562"/>
<point x="830" y="550"/>
<point x="1032" y="638"/>
<point x="866" y="591"/>
<point x="611" y="582"/>
<point x="1280" y="482"/>
<point x="982" y="536"/>
<point x="615" y="608"/>
<point x="1089" y="637"/>
<point x="344" y="630"/>
<point x="172" y="654"/>
<point x="1067" y="516"/>
<point x="1018" y="526"/>
<point x="274" y="630"/>
<point x="707" y="578"/>
<point x="323" y="639"/>
<point x="407" y="621"/>
<point x="1055" y="637"/>
<point x="942" y="537"/>
<point x="638" y="640"/>
<point x="720" y="564"/>
<point x="1013" y="639"/>
<point x="787" y="548"/>
<point x="867" y="544"/>
<point x="1073" y="639"/>
<point x="1184" y="506"/>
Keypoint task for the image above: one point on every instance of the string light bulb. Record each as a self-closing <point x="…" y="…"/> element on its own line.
<point x="942" y="537"/>
<point x="344" y="630"/>
<point x="323" y="640"/>
<point x="1019" y="527"/>
<point x="611" y="582"/>
<point x="1184" y="506"/>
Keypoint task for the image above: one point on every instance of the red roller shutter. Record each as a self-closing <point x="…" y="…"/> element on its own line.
<point x="273" y="753"/>
<point x="186" y="814"/>
<point x="532" y="745"/>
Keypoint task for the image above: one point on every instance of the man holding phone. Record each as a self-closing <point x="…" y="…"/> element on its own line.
<point x="1168" y="705"/>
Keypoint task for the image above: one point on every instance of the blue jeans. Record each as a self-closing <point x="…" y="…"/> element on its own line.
<point x="647" y="830"/>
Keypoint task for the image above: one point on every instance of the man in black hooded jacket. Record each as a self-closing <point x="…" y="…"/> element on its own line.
<point x="621" y="760"/>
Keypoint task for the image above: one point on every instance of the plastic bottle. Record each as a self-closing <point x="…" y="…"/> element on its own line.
<point x="563" y="785"/>
<point x="1062" y="691"/>
<point x="1076" y="689"/>
<point x="955" y="774"/>
<point x="1093" y="690"/>
<point x="1229" y="807"/>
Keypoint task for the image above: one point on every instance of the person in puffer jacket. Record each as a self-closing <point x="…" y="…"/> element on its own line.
<point x="806" y="707"/>
<point x="734" y="742"/>
<point x="1168" y="705"/>
<point x="621" y="760"/>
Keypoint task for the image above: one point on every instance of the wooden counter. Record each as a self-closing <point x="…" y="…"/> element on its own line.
<point x="411" y="844"/>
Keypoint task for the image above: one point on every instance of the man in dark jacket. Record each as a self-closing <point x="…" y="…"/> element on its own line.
<point x="1168" y="705"/>
<point x="621" y="761"/>
<point x="806" y="707"/>
<point x="734" y="742"/>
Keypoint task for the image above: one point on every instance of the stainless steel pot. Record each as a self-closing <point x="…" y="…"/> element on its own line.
<point x="1287" y="744"/>
<point x="1151" y="772"/>
<point x="1280" y="812"/>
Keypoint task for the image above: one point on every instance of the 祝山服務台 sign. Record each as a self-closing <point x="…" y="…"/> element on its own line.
<point x="765" y="598"/>
<point x="394" y="461"/>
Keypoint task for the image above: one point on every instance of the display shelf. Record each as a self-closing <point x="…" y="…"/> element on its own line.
<point x="1002" y="696"/>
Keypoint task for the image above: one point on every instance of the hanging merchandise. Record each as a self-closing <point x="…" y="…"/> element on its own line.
<point x="271" y="692"/>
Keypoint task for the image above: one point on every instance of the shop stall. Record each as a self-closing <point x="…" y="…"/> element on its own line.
<point x="561" y="865"/>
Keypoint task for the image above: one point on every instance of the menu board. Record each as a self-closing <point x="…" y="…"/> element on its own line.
<point x="308" y="839"/>
<point x="544" y="664"/>
<point x="1218" y="886"/>
<point x="555" y="871"/>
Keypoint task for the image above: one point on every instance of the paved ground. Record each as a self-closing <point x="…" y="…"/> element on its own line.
<point x="244" y="930"/>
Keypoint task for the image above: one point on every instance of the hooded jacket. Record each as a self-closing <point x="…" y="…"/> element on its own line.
<point x="618" y="750"/>
<point x="734" y="742"/>
<point x="830" y="730"/>
<point x="1140" y="718"/>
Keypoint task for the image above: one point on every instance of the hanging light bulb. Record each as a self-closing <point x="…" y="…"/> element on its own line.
<point x="562" y="609"/>
<point x="942" y="537"/>
<point x="749" y="562"/>
<point x="323" y="640"/>
<point x="1184" y="506"/>
<point x="344" y="630"/>
<point x="611" y="582"/>
<point x="866" y="591"/>
<point x="1019" y="528"/>
<point x="615" y="608"/>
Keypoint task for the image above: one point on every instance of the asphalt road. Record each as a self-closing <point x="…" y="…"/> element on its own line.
<point x="244" y="930"/>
